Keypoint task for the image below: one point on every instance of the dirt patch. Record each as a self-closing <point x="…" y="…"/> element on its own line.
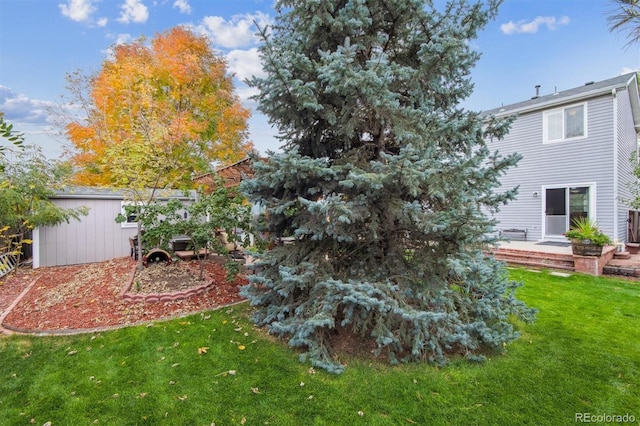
<point x="162" y="278"/>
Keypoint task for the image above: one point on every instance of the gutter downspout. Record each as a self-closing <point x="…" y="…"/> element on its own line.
<point x="614" y="95"/>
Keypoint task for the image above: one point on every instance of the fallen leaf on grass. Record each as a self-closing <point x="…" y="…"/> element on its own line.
<point x="227" y="373"/>
<point x="242" y="347"/>
<point x="255" y="390"/>
<point x="182" y="398"/>
<point x="478" y="405"/>
<point x="202" y="350"/>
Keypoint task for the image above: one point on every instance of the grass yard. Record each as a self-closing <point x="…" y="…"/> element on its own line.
<point x="582" y="355"/>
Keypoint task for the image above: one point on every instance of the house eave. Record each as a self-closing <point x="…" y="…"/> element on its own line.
<point x="634" y="96"/>
<point x="558" y="99"/>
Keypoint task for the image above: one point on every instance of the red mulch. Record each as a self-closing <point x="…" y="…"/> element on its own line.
<point x="90" y="296"/>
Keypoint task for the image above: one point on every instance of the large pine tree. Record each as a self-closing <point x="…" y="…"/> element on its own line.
<point x="385" y="182"/>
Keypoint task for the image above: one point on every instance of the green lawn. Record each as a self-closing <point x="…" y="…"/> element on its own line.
<point x="582" y="355"/>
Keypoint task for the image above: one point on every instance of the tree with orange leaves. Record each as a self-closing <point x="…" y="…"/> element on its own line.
<point x="156" y="114"/>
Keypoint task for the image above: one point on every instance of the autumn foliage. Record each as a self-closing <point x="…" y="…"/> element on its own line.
<point x="157" y="113"/>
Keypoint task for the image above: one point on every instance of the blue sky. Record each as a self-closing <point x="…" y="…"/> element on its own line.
<point x="557" y="44"/>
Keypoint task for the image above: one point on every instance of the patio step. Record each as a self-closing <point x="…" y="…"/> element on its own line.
<point x="626" y="271"/>
<point x="624" y="267"/>
<point x="535" y="259"/>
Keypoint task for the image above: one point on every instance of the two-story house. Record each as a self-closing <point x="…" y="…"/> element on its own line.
<point x="576" y="146"/>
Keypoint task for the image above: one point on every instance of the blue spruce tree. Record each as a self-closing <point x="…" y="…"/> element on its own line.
<point x="385" y="184"/>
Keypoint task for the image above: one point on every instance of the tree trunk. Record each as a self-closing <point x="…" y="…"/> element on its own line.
<point x="140" y="264"/>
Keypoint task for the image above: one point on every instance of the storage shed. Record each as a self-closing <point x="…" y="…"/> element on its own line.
<point x="96" y="237"/>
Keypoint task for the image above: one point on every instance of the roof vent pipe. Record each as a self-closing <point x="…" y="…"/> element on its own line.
<point x="537" y="90"/>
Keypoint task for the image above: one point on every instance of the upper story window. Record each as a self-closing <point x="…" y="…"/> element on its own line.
<point x="565" y="123"/>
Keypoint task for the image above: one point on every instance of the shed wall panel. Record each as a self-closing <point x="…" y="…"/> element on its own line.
<point x="95" y="238"/>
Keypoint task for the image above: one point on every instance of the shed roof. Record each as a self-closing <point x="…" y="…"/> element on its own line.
<point x="93" y="192"/>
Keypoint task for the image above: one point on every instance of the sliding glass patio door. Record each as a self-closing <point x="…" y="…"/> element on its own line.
<point x="562" y="206"/>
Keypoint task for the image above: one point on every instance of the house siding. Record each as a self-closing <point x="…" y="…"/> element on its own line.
<point x="95" y="238"/>
<point x="524" y="212"/>
<point x="627" y="145"/>
<point x="585" y="161"/>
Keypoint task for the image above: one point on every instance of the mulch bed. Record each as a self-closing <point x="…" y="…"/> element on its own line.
<point x="90" y="296"/>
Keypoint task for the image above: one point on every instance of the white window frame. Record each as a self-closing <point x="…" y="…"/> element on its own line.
<point x="126" y="223"/>
<point x="561" y="111"/>
<point x="593" y="187"/>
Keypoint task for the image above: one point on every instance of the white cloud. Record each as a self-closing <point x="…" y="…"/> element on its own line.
<point x="102" y="22"/>
<point x="123" y="38"/>
<point x="19" y="108"/>
<point x="245" y="63"/>
<point x="627" y="70"/>
<point x="183" y="6"/>
<point x="119" y="39"/>
<point x="77" y="10"/>
<point x="31" y="117"/>
<point x="245" y="93"/>
<point x="531" y="27"/>
<point x="133" y="11"/>
<point x="239" y="31"/>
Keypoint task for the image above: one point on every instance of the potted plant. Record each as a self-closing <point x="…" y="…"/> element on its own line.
<point x="586" y="238"/>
